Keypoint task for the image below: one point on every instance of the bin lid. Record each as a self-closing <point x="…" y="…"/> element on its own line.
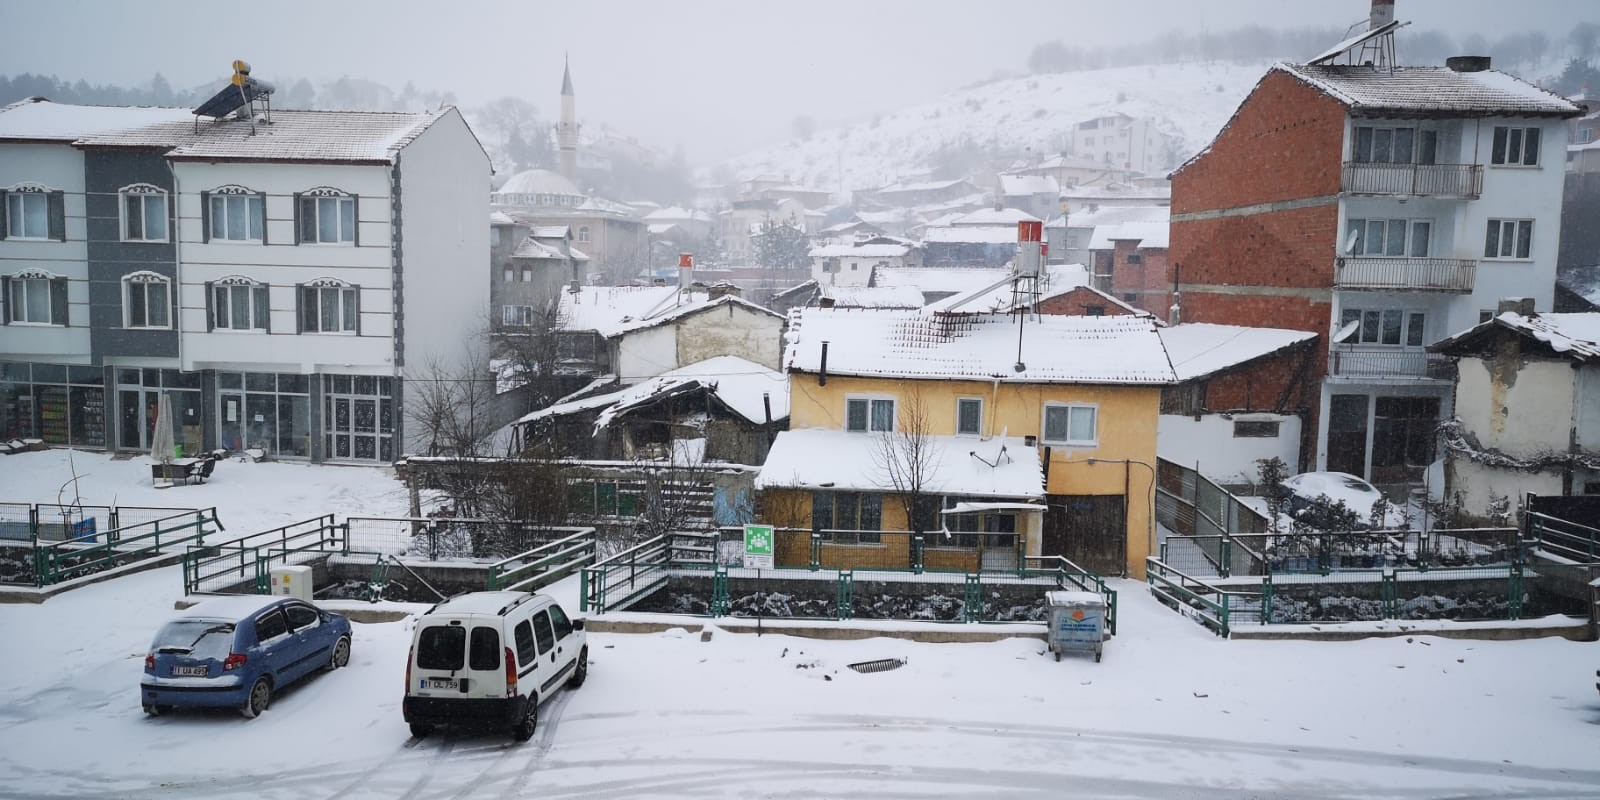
<point x="1074" y="599"/>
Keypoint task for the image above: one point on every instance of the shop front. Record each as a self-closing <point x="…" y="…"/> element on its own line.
<point x="265" y="411"/>
<point x="138" y="395"/>
<point x="58" y="403"/>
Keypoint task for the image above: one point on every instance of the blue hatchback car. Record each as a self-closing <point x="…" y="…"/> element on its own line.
<point x="234" y="652"/>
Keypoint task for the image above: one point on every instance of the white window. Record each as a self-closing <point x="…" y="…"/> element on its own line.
<point x="144" y="214"/>
<point x="329" y="306"/>
<point x="146" y="301"/>
<point x="35" y="297"/>
<point x="1394" y="145"/>
<point x="969" y="416"/>
<point x="583" y="233"/>
<point x="869" y="414"/>
<point x="1394" y="327"/>
<point x="1389" y="237"/>
<point x="518" y="316"/>
<point x="326" y="216"/>
<point x="239" y="304"/>
<point x="1508" y="238"/>
<point x="508" y="274"/>
<point x="527" y="274"/>
<point x="1585" y="135"/>
<point x="27" y="213"/>
<point x="1517" y="146"/>
<point x="1069" y="424"/>
<point x="236" y="214"/>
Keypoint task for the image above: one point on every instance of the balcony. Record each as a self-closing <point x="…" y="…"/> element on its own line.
<point x="1405" y="274"/>
<point x="1377" y="363"/>
<point x="1463" y="181"/>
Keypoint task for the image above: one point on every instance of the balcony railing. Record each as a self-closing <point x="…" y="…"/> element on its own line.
<point x="1405" y="274"/>
<point x="1422" y="180"/>
<point x="1378" y="362"/>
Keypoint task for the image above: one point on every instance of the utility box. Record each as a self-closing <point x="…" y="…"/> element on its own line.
<point x="291" y="582"/>
<point x="1077" y="622"/>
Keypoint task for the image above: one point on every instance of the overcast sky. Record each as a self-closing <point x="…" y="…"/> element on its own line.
<point x="717" y="76"/>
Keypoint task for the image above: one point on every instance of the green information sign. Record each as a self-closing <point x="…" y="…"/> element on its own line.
<point x="758" y="546"/>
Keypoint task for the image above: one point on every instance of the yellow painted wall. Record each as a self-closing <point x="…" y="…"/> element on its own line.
<point x="1125" y="427"/>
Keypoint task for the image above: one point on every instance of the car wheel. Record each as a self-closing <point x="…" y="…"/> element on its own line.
<point x="523" y="730"/>
<point x="420" y="730"/>
<point x="580" y="674"/>
<point x="341" y="653"/>
<point x="260" y="696"/>
<point x="156" y="709"/>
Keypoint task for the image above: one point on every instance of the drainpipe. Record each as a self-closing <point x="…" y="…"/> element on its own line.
<point x="822" y="373"/>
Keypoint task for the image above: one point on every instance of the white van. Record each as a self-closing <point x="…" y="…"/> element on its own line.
<point x="489" y="659"/>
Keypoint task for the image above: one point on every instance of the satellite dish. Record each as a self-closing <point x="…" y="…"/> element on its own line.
<point x="1350" y="241"/>
<point x="1347" y="330"/>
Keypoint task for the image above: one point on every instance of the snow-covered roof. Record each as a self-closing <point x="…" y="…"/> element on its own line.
<point x="925" y="186"/>
<point x="500" y="218"/>
<point x="1029" y="184"/>
<point x="539" y="181"/>
<point x="743" y="386"/>
<point x="1116" y="191"/>
<point x="1108" y="215"/>
<point x="314" y="136"/>
<point x="919" y="344"/>
<point x="1000" y="295"/>
<point x="677" y="214"/>
<point x="957" y="465"/>
<point x="550" y="231"/>
<point x="971" y="234"/>
<point x="659" y="228"/>
<point x="1575" y="335"/>
<point x="996" y="216"/>
<point x="1409" y="91"/>
<point x="873" y="296"/>
<point x="1583" y="281"/>
<point x="1197" y="349"/>
<point x="38" y="119"/>
<point x="860" y="251"/>
<point x="533" y="248"/>
<point x="938" y="279"/>
<point x="614" y="310"/>
<point x="1150" y="235"/>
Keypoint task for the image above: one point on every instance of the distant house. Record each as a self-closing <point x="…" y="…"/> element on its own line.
<point x="1527" y="415"/>
<point x="938" y="283"/>
<point x="852" y="264"/>
<point x="610" y="233"/>
<point x="907" y="195"/>
<point x="529" y="265"/>
<point x="1109" y="195"/>
<point x="1077" y="228"/>
<point x="1070" y="170"/>
<point x="1121" y="140"/>
<point x="638" y="332"/>
<point x="1130" y="261"/>
<point x="1038" y="195"/>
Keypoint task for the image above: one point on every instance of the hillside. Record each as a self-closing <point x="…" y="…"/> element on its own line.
<point x="1010" y="118"/>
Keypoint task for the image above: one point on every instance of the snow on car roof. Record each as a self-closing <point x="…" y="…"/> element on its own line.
<point x="478" y="603"/>
<point x="231" y="608"/>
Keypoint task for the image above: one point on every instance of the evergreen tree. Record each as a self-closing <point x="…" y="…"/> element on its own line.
<point x="781" y="245"/>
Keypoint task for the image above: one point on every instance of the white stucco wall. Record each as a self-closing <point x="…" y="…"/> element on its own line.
<point x="58" y="167"/>
<point x="1523" y="416"/>
<point x="731" y="330"/>
<point x="1209" y="443"/>
<point x="645" y="353"/>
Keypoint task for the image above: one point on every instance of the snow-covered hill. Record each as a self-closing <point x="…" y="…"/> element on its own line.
<point x="1188" y="101"/>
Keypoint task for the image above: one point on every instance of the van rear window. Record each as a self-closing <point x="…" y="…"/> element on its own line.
<point x="485" y="648"/>
<point x="441" y="647"/>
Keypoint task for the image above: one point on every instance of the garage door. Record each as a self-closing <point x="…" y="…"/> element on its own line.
<point x="1090" y="530"/>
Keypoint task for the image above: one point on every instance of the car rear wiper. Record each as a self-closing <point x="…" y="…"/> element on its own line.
<point x="207" y="632"/>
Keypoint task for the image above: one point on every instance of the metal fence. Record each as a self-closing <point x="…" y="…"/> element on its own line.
<point x="59" y="561"/>
<point x="1564" y="539"/>
<point x="544" y="564"/>
<point x="52" y="522"/>
<point x="1255" y="554"/>
<point x="248" y="561"/>
<point x="1462" y="593"/>
<point x="1218" y="609"/>
<point x="1422" y="180"/>
<point x="1190" y="503"/>
<point x="435" y="538"/>
<point x="1441" y="274"/>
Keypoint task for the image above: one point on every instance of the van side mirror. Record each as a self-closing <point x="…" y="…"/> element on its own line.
<point x="577" y="624"/>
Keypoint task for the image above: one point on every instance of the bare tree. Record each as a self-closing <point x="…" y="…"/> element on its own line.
<point x="529" y="355"/>
<point x="906" y="456"/>
<point x="675" y="493"/>
<point x="452" y="405"/>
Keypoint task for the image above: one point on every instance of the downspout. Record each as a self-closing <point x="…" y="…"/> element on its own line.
<point x="822" y="372"/>
<point x="994" y="404"/>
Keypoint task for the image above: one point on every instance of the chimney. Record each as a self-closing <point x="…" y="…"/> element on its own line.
<point x="1382" y="13"/>
<point x="1468" y="63"/>
<point x="723" y="289"/>
<point x="1516" y="305"/>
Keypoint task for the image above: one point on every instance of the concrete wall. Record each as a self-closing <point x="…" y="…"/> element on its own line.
<point x="56" y="167"/>
<point x="731" y="330"/>
<point x="1209" y="445"/>
<point x="108" y="172"/>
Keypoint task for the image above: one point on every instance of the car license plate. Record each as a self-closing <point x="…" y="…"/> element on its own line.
<point x="441" y="683"/>
<point x="189" y="672"/>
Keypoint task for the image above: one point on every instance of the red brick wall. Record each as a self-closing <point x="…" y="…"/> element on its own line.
<point x="1285" y="142"/>
<point x="1077" y="303"/>
<point x="1149" y="282"/>
<point x="1294" y="248"/>
<point x="1257" y="386"/>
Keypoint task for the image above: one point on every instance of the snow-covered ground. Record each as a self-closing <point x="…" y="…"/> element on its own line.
<point x="1172" y="711"/>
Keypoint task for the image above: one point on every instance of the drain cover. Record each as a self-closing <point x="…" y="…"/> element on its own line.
<point x="881" y="665"/>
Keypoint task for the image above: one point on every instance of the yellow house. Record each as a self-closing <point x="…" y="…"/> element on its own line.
<point x="1032" y="436"/>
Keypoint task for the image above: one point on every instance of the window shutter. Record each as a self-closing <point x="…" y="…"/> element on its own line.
<point x="357" y="304"/>
<point x="355" y="235"/>
<point x="205" y="218"/>
<point x="58" y="301"/>
<point x="264" y="308"/>
<point x="5" y="214"/>
<point x="299" y="234"/>
<point x="57" y="203"/>
<point x="211" y="315"/>
<point x="5" y="293"/>
<point x="263" y="196"/>
<point x="299" y="296"/>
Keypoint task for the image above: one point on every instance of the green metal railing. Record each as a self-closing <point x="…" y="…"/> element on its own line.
<point x="60" y="561"/>
<point x="1214" y="607"/>
<point x="1564" y="539"/>
<point x="251" y="558"/>
<point x="544" y="564"/>
<point x="1391" y="593"/>
<point x="1257" y="554"/>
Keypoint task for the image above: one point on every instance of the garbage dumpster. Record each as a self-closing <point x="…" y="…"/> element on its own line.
<point x="1077" y="622"/>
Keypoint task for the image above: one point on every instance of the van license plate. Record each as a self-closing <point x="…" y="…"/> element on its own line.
<point x="442" y="683"/>
<point x="189" y="672"/>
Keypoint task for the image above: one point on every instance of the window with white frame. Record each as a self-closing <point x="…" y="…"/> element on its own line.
<point x="518" y="316"/>
<point x="329" y="306"/>
<point x="874" y="414"/>
<point x="1394" y="145"/>
<point x="235" y="214"/>
<point x="144" y="213"/>
<point x="146" y="300"/>
<point x="969" y="416"/>
<point x="1070" y="424"/>
<point x="1508" y="238"/>
<point x="34" y="297"/>
<point x="1515" y="146"/>
<point x="527" y="274"/>
<point x="238" y="304"/>
<point x="29" y="213"/>
<point x="583" y="233"/>
<point x="1389" y="237"/>
<point x="325" y="216"/>
<point x="1394" y="327"/>
<point x="508" y="273"/>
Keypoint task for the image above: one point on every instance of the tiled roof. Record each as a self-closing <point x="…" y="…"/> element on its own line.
<point x="1575" y="335"/>
<point x="917" y="344"/>
<point x="317" y="136"/>
<point x="1431" y="90"/>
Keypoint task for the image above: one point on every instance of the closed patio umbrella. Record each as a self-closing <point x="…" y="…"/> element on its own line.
<point x="161" y="442"/>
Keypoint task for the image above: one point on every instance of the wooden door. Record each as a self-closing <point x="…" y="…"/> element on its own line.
<point x="1089" y="530"/>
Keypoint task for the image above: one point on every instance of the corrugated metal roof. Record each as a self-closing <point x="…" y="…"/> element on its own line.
<point x="1430" y="90"/>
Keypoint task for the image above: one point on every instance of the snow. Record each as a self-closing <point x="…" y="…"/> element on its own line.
<point x="1014" y="185"/>
<point x="614" y="310"/>
<point x="1576" y="334"/>
<point x="860" y="251"/>
<point x="1056" y="279"/>
<point x="1173" y="711"/>
<point x="957" y="465"/>
<point x="1356" y="494"/>
<point x="364" y="136"/>
<point x="915" y="344"/>
<point x="873" y="296"/>
<point x="996" y="216"/>
<point x="1198" y="349"/>
<point x="1115" y="214"/>
<point x="1149" y="235"/>
<point x="971" y="234"/>
<point x="743" y="386"/>
<point x="1431" y="89"/>
<point x="37" y="118"/>
<point x="938" y="279"/>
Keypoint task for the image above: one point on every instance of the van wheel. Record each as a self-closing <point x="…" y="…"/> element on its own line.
<point x="341" y="653"/>
<point x="580" y="674"/>
<point x="523" y="730"/>
<point x="420" y="730"/>
<point x="260" y="696"/>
